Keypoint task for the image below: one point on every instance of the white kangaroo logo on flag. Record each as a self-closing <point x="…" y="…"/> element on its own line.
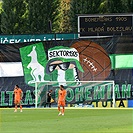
<point x="37" y="71"/>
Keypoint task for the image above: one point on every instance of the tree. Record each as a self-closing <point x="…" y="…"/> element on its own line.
<point x="82" y="7"/>
<point x="43" y="16"/>
<point x="129" y="6"/>
<point x="64" y="16"/>
<point x="13" y="16"/>
<point x="116" y="6"/>
<point x="103" y="8"/>
<point x="46" y="16"/>
<point x="0" y="14"/>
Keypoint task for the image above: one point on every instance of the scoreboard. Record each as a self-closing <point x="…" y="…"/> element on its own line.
<point x="93" y="26"/>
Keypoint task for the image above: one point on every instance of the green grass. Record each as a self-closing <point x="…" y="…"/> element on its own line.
<point x="74" y="121"/>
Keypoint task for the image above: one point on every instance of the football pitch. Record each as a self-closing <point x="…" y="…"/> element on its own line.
<point x="74" y="121"/>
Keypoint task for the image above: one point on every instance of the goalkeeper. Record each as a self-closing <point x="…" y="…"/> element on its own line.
<point x="49" y="97"/>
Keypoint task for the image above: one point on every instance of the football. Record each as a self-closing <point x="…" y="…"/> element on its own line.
<point x="94" y="60"/>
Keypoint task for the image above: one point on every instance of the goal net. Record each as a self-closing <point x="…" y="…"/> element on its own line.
<point x="79" y="94"/>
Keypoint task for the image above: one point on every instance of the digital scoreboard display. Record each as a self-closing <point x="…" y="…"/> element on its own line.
<point x="92" y="26"/>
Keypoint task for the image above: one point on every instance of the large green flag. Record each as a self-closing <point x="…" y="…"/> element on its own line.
<point x="57" y="68"/>
<point x="34" y="60"/>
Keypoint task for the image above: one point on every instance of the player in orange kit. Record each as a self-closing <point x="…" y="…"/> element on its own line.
<point x="61" y="100"/>
<point x="17" y="97"/>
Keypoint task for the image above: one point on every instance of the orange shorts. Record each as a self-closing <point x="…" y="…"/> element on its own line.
<point x="17" y="101"/>
<point x="61" y="103"/>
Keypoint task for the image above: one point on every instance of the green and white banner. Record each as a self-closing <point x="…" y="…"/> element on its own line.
<point x="34" y="62"/>
<point x="61" y="63"/>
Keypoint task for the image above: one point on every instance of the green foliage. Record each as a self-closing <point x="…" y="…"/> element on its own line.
<point x="103" y="7"/>
<point x="41" y="14"/>
<point x="0" y="14"/>
<point x="46" y="16"/>
<point x="0" y="7"/>
<point x="82" y="7"/>
<point x="129" y="6"/>
<point x="12" y="20"/>
<point x="64" y="17"/>
<point x="116" y="6"/>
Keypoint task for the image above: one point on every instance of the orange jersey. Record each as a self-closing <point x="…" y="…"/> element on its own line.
<point x="18" y="93"/>
<point x="61" y="95"/>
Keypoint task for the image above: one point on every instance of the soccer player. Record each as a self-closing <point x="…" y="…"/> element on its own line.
<point x="18" y="93"/>
<point x="61" y="100"/>
<point x="49" y="97"/>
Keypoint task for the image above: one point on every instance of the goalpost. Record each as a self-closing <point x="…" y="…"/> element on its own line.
<point x="78" y="92"/>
